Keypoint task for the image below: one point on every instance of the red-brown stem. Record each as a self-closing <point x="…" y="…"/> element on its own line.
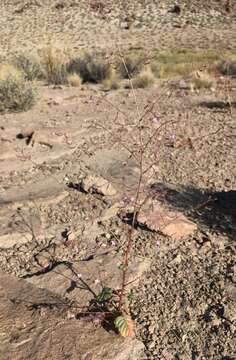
<point x="131" y="230"/>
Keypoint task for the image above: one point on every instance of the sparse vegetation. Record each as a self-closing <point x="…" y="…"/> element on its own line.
<point x="92" y="67"/>
<point x="180" y="57"/>
<point x="145" y="79"/>
<point x="227" y="67"/>
<point x="112" y="82"/>
<point x="29" y="66"/>
<point x="54" y="64"/>
<point x="74" y="80"/>
<point x="171" y="70"/>
<point x="203" y="80"/>
<point x="167" y="65"/>
<point x="16" y="93"/>
<point x="130" y="65"/>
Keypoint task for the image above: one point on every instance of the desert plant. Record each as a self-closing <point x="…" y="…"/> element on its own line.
<point x="28" y="66"/>
<point x="92" y="67"/>
<point x="171" y="70"/>
<point x="16" y="93"/>
<point x="145" y="79"/>
<point x="227" y="67"/>
<point x="182" y="63"/>
<point x="130" y="65"/>
<point x="54" y="63"/>
<point x="74" y="80"/>
<point x="203" y="80"/>
<point x="112" y="82"/>
<point x="184" y="56"/>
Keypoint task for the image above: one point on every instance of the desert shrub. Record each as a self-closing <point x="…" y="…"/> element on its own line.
<point x="171" y="70"/>
<point x="227" y="67"/>
<point x="16" y="93"/>
<point x="112" y="82"/>
<point x="74" y="80"/>
<point x="182" y="63"/>
<point x="130" y="65"/>
<point x="92" y="67"/>
<point x="184" y="56"/>
<point x="54" y="63"/>
<point x="29" y="66"/>
<point x="145" y="79"/>
<point x="203" y="80"/>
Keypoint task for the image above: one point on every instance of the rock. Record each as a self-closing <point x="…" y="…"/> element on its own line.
<point x="169" y="223"/>
<point x="117" y="167"/>
<point x="42" y="189"/>
<point x="97" y="184"/>
<point x="176" y="9"/>
<point x="9" y="240"/>
<point x="7" y="152"/>
<point x="35" y="325"/>
<point x="44" y="136"/>
<point x="125" y="25"/>
<point x="100" y="270"/>
<point x="183" y="85"/>
<point x="110" y="212"/>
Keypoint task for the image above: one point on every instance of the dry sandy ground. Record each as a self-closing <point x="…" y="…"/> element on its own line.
<point x="184" y="305"/>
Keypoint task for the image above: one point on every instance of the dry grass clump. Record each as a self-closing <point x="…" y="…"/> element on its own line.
<point x="203" y="80"/>
<point x="29" y="66"/>
<point x="184" y="56"/>
<point x="74" y="80"/>
<point x="54" y="64"/>
<point x="92" y="67"/>
<point x="145" y="79"/>
<point x="182" y="63"/>
<point x="130" y="65"/>
<point x="171" y="70"/>
<point x="112" y="82"/>
<point x="16" y="93"/>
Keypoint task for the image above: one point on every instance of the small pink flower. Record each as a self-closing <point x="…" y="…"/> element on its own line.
<point x="158" y="243"/>
<point x="156" y="119"/>
<point x="79" y="276"/>
<point x="128" y="200"/>
<point x="97" y="281"/>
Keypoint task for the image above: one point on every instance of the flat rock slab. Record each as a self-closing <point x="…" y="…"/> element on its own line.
<point x="23" y="148"/>
<point x="43" y="189"/>
<point x="117" y="167"/>
<point x="35" y="325"/>
<point x="9" y="240"/>
<point x="101" y="271"/>
<point x="170" y="223"/>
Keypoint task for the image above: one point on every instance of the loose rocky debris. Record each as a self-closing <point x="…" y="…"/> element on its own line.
<point x="36" y="324"/>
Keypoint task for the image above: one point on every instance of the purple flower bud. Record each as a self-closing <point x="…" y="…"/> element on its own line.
<point x="128" y="200"/>
<point x="156" y="119"/>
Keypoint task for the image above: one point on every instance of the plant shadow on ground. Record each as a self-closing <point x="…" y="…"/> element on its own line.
<point x="213" y="210"/>
<point x="217" y="104"/>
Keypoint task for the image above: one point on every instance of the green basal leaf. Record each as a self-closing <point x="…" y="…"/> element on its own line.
<point x="104" y="295"/>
